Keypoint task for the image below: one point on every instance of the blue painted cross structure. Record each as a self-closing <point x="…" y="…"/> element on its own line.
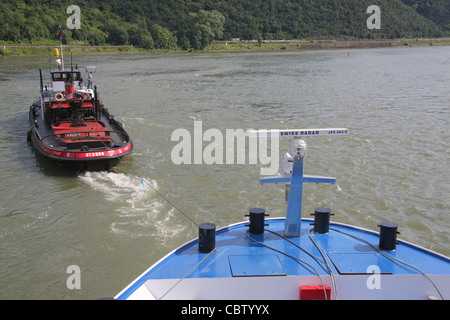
<point x="296" y="180"/>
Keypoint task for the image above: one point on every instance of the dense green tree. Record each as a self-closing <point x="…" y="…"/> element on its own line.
<point x="184" y="43"/>
<point x="201" y="28"/>
<point x="162" y="38"/>
<point x="96" y="37"/>
<point x="117" y="34"/>
<point x="147" y="41"/>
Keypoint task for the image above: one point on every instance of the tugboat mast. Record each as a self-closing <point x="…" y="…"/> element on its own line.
<point x="62" y="54"/>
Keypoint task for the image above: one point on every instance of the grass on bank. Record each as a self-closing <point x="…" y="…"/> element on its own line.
<point x="46" y="47"/>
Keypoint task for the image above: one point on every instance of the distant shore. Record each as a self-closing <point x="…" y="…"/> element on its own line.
<point x="337" y="44"/>
<point x="30" y="50"/>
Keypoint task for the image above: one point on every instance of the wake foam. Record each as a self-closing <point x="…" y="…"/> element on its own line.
<point x="139" y="210"/>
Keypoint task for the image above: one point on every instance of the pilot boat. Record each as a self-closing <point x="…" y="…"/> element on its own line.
<point x="295" y="257"/>
<point x="70" y="125"/>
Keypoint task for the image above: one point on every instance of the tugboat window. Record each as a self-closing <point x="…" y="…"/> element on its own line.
<point x="75" y="76"/>
<point x="57" y="76"/>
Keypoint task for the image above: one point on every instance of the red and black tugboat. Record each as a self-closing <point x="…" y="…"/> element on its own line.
<point x="70" y="125"/>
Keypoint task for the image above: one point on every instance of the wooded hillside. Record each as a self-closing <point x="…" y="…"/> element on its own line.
<point x="193" y="24"/>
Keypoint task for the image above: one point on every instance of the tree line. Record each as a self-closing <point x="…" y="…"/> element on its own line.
<point x="193" y="24"/>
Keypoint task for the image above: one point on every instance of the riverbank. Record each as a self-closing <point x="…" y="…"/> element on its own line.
<point x="30" y="50"/>
<point x="37" y="50"/>
<point x="326" y="44"/>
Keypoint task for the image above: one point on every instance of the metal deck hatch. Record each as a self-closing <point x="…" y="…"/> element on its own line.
<point x="360" y="263"/>
<point x="256" y="265"/>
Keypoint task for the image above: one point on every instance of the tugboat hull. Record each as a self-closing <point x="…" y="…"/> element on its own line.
<point x="83" y="147"/>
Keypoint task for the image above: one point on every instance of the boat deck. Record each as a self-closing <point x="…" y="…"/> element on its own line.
<point x="269" y="266"/>
<point x="48" y="132"/>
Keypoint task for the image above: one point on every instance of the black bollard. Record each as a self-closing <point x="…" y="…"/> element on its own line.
<point x="206" y="237"/>
<point x="321" y="220"/>
<point x="388" y="235"/>
<point x="256" y="220"/>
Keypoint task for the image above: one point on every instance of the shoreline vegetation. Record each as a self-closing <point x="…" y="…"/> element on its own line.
<point x="222" y="46"/>
<point x="30" y="27"/>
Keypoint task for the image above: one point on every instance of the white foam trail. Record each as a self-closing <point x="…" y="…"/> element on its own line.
<point x="140" y="212"/>
<point x="116" y="186"/>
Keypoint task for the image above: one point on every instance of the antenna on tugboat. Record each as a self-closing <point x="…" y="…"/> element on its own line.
<point x="292" y="163"/>
<point x="61" y="47"/>
<point x="62" y="53"/>
<point x="41" y="80"/>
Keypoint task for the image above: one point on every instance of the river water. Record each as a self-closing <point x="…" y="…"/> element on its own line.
<point x="394" y="164"/>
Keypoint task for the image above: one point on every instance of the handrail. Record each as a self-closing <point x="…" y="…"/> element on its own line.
<point x="58" y="135"/>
